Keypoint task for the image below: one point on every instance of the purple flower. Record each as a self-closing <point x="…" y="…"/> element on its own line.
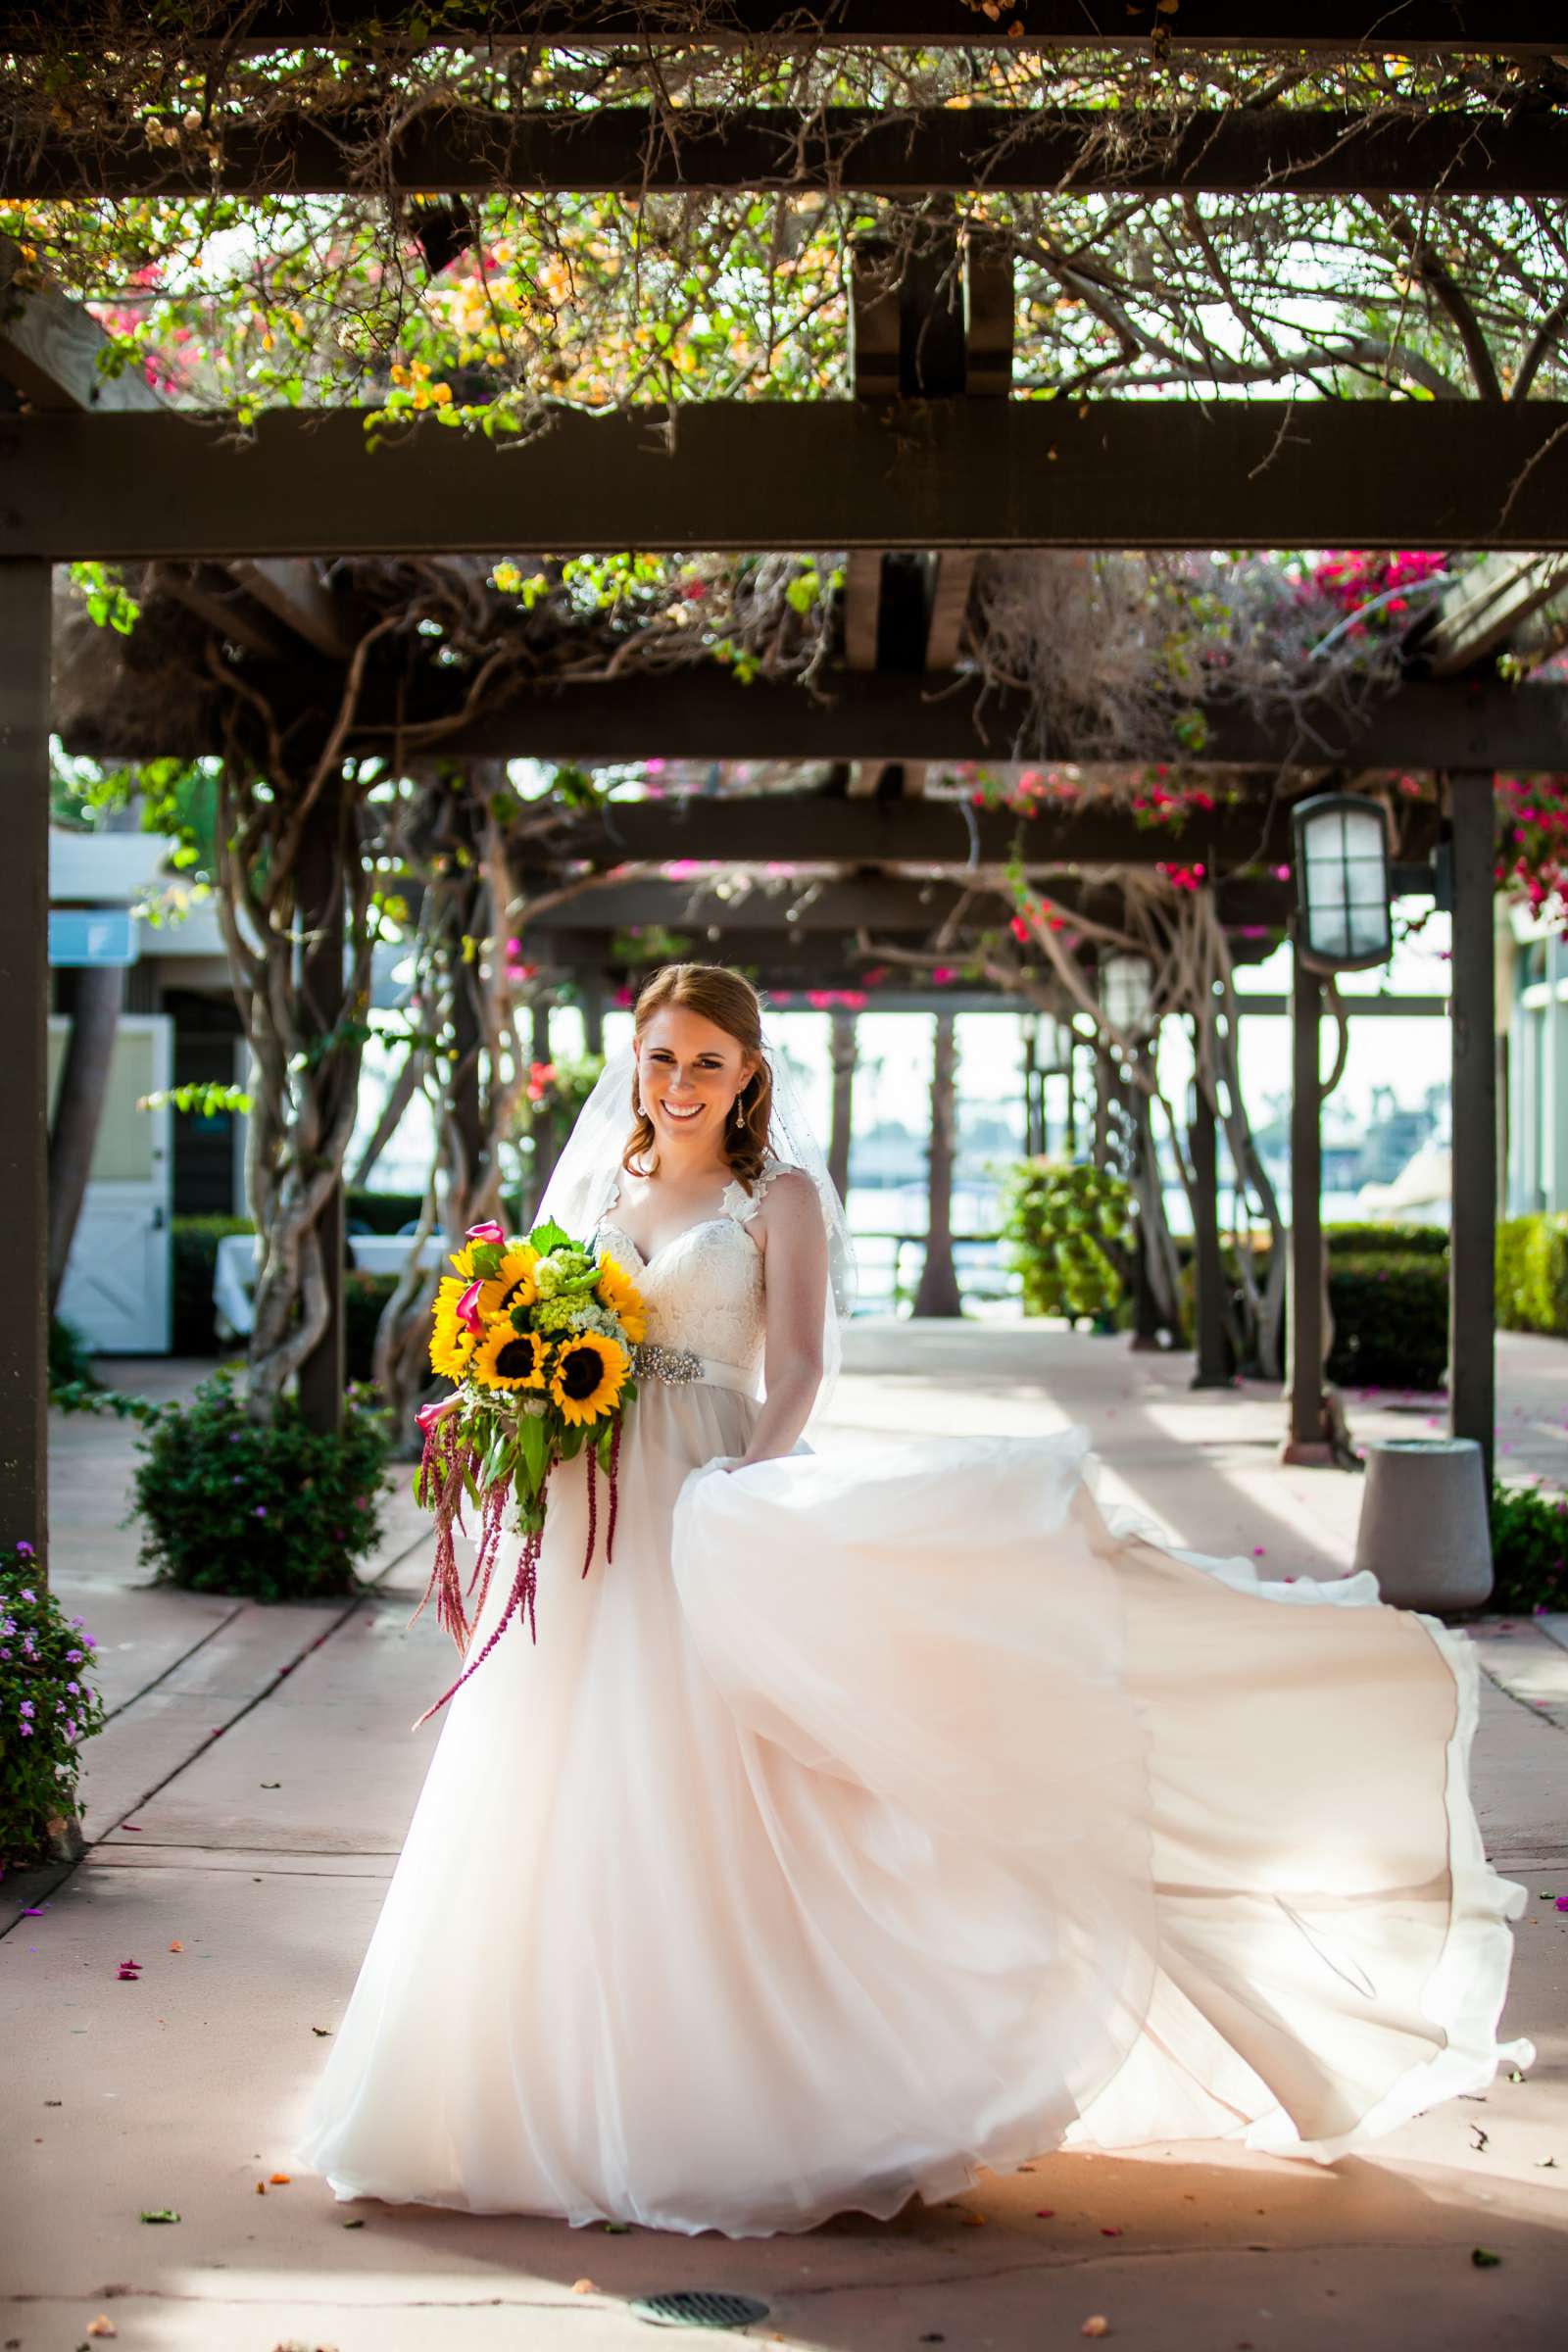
<point x="72" y="1686"/>
<point x="26" y="1731"/>
<point x="260" y="1510"/>
<point x="73" y="1657"/>
<point x="27" y="1706"/>
<point x="77" y="1621"/>
<point x="91" y="1643"/>
<point x="71" y="1726"/>
<point x="5" y="1653"/>
<point x="26" y="1595"/>
<point x="26" y="1551"/>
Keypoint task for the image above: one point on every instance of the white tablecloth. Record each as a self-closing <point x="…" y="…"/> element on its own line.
<point x="235" y="1269"/>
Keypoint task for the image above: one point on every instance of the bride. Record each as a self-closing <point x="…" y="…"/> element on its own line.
<point x="882" y="1814"/>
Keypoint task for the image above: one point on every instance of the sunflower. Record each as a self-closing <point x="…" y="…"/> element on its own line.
<point x="617" y="1293"/>
<point x="588" y="1376"/>
<point x="510" y="1359"/>
<point x="512" y="1285"/>
<point x="452" y="1342"/>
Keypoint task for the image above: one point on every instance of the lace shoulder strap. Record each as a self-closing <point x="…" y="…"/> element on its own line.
<point x="741" y="1205"/>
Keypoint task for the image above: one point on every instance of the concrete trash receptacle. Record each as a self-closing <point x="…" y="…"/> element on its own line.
<point x="1425" y="1530"/>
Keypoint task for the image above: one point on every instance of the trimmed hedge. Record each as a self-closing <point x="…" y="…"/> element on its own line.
<point x="1533" y="1274"/>
<point x="364" y="1296"/>
<point x="1390" y="1321"/>
<point x="381" y="1212"/>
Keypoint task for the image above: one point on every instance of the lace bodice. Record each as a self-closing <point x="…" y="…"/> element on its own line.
<point x="703" y="1287"/>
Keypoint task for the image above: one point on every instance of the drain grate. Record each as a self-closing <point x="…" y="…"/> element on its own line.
<point x="695" y="2306"/>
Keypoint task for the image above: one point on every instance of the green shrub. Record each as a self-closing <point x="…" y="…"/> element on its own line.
<point x="1390" y="1321"/>
<point x="1529" y="1549"/>
<point x="364" y="1296"/>
<point x="270" y="1508"/>
<point x="1385" y="1241"/>
<point x="1533" y="1274"/>
<point x="69" y="1358"/>
<point x="48" y="1707"/>
<point x="1070" y="1227"/>
<point x="381" y="1212"/>
<point x="194" y="1254"/>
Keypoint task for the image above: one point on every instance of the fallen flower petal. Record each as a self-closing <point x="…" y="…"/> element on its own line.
<point x="1045" y="2213"/>
<point x="1098" y="2325"/>
<point x="583" y="2287"/>
<point x="280" y="2180"/>
<point x="1111" y="2230"/>
<point x="103" y="2325"/>
<point x="176" y="1947"/>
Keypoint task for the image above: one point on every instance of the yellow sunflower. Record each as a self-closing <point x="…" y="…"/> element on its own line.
<point x="452" y="1342"/>
<point x="617" y="1293"/>
<point x="510" y="1359"/>
<point x="512" y="1285"/>
<point x="588" y="1375"/>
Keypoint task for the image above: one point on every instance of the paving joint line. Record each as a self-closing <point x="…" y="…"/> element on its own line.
<point x="358" y="1601"/>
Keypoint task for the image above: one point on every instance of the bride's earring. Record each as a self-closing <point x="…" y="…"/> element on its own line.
<point x="740" y="1115"/>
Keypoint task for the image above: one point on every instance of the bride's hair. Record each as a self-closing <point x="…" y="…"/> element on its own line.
<point x="731" y="1003"/>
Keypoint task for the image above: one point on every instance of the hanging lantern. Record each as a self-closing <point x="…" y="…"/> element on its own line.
<point x="1127" y="994"/>
<point x="1343" y="915"/>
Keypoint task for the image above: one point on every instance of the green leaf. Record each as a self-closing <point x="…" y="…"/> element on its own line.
<point x="533" y="1446"/>
<point x="165" y="2213"/>
<point x="549" y="1236"/>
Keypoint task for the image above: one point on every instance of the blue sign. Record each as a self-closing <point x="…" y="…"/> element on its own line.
<point x="92" y="935"/>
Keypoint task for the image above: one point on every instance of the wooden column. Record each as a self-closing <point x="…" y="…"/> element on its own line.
<point x="24" y="991"/>
<point x="1032" y="1142"/>
<point x="1213" y="1368"/>
<point x="843" y="1039"/>
<point x="323" y="849"/>
<point x="1305" y="1442"/>
<point x="545" y="1128"/>
<point x="591" y="999"/>
<point x="1472" y="1380"/>
<point x="1148" y="1321"/>
<point x="938" y="1292"/>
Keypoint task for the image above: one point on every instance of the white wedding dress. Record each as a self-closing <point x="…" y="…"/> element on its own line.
<point x="879" y="1815"/>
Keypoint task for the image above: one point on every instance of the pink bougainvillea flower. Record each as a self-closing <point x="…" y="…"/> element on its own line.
<point x="489" y="1231"/>
<point x="467" y="1309"/>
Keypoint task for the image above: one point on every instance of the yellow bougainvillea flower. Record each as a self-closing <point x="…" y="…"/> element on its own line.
<point x="619" y="1293"/>
<point x="452" y="1343"/>
<point x="510" y="1359"/>
<point x="588" y="1375"/>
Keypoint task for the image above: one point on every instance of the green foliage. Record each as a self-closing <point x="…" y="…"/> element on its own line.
<point x="1529" y="1548"/>
<point x="1533" y="1274"/>
<point x="70" y="1357"/>
<point x="48" y="1707"/>
<point x="193" y="1256"/>
<point x="363" y="1297"/>
<point x="1385" y="1241"/>
<point x="202" y="1097"/>
<point x="381" y="1212"/>
<point x="108" y="601"/>
<point x="1390" y="1321"/>
<point x="1070" y="1227"/>
<point x="268" y="1509"/>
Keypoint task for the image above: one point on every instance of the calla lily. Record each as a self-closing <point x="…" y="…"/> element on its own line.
<point x="468" y="1307"/>
<point x="428" y="1415"/>
<point x="489" y="1231"/>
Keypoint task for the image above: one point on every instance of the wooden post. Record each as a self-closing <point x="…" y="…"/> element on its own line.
<point x="1472" y="1380"/>
<point x="1306" y="1441"/>
<point x="1213" y="1369"/>
<point x="25" y="592"/>
<point x="938" y="1292"/>
<point x="1031" y="1117"/>
<point x="1143" y="1175"/>
<point x="842" y="1041"/>
<point x="322" y="852"/>
<point x="591" y="999"/>
<point x="1069" y="1137"/>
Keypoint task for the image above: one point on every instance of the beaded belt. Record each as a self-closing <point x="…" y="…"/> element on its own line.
<point x="680" y="1367"/>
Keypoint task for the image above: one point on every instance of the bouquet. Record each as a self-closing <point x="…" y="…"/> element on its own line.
<point x="538" y="1336"/>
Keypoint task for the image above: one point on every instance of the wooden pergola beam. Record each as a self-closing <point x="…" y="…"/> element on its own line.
<point x="51" y="347"/>
<point x="1519" y="28"/>
<point x="471" y="150"/>
<point x="703" y="715"/>
<point x="936" y="836"/>
<point x="728" y="475"/>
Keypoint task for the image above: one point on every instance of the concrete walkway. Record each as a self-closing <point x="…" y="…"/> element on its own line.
<point x="248" y="1798"/>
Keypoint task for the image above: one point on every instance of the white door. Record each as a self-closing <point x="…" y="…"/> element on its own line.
<point x="117" y="1288"/>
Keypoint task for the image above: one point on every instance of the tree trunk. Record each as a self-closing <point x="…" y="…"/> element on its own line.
<point x="938" y="1292"/>
<point x="83" y="1083"/>
<point x="842" y="1045"/>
